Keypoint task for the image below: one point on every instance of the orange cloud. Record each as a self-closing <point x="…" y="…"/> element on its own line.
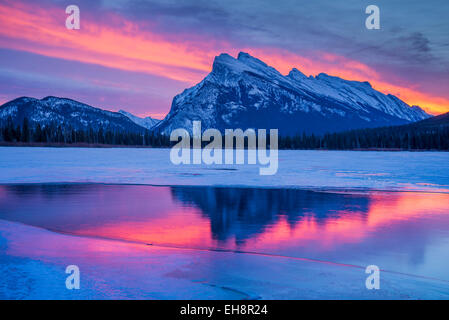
<point x="43" y="31"/>
<point x="128" y="47"/>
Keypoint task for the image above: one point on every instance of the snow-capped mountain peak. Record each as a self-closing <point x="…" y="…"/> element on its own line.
<point x="245" y="92"/>
<point x="65" y="112"/>
<point x="297" y="75"/>
<point x="256" y="63"/>
<point x="146" y="122"/>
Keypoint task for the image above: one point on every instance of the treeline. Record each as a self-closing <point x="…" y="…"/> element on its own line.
<point x="409" y="138"/>
<point x="59" y="134"/>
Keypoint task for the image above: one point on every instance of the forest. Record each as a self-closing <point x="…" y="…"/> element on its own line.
<point x="65" y="135"/>
<point x="407" y="137"/>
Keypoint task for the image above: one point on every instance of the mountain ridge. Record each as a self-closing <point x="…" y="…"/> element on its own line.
<point x="146" y="122"/>
<point x="242" y="92"/>
<point x="245" y="92"/>
<point x="66" y="113"/>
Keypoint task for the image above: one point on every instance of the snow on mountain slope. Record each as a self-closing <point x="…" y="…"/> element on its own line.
<point x="65" y="112"/>
<point x="247" y="93"/>
<point x="146" y="122"/>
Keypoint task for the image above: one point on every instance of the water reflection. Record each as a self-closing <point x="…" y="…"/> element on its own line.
<point x="242" y="213"/>
<point x="403" y="231"/>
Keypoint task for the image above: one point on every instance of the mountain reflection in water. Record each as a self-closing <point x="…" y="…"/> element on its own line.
<point x="406" y="231"/>
<point x="242" y="213"/>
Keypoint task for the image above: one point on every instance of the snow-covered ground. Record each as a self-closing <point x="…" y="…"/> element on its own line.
<point x="418" y="171"/>
<point x="33" y="263"/>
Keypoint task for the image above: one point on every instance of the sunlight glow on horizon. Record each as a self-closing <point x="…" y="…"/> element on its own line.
<point x="128" y="47"/>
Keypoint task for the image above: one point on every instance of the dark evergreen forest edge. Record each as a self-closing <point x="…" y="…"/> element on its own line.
<point x="429" y="134"/>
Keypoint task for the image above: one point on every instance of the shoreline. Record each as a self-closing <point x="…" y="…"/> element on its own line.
<point x="335" y="190"/>
<point x="118" y="146"/>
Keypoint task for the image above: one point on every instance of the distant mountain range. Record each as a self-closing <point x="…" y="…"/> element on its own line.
<point x="425" y="126"/>
<point x="437" y="122"/>
<point x="69" y="113"/>
<point x="247" y="93"/>
<point x="146" y="122"/>
<point x="238" y="93"/>
<point x="428" y="134"/>
<point x="64" y="121"/>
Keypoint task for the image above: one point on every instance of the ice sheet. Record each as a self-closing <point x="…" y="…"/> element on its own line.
<point x="33" y="263"/>
<point x="418" y="171"/>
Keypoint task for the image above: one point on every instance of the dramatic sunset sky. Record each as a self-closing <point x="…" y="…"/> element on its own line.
<point x="136" y="55"/>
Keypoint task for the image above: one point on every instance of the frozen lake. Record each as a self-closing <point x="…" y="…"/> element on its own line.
<point x="418" y="171"/>
<point x="140" y="227"/>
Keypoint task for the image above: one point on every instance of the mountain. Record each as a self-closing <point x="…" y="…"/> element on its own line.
<point x="428" y="134"/>
<point x="67" y="113"/>
<point x="247" y="93"/>
<point x="146" y="122"/>
<point x="437" y="122"/>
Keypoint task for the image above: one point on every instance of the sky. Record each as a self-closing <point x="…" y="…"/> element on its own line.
<point x="137" y="55"/>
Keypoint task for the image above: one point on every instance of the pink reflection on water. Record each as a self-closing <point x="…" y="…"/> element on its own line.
<point x="176" y="229"/>
<point x="329" y="226"/>
<point x="185" y="226"/>
<point x="149" y="215"/>
<point x="386" y="211"/>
